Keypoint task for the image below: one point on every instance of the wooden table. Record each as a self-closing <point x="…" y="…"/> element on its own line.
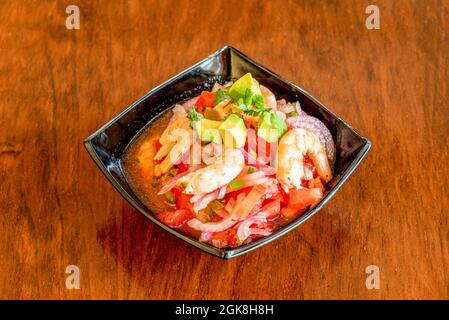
<point x="59" y="85"/>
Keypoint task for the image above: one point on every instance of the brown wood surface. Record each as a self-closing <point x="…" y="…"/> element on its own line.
<point x="57" y="86"/>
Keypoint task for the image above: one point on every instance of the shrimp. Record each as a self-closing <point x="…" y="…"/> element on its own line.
<point x="182" y="139"/>
<point x="293" y="146"/>
<point x="216" y="175"/>
<point x="269" y="97"/>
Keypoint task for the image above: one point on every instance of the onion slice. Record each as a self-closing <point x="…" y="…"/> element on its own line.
<point x="260" y="232"/>
<point x="212" y="226"/>
<point x="171" y="183"/>
<point x="205" y="200"/>
<point x="243" y="231"/>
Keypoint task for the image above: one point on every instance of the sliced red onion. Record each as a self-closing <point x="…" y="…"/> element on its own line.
<point x="319" y="129"/>
<point x="201" y="201"/>
<point x="271" y="187"/>
<point x="170" y="183"/>
<point x="205" y="200"/>
<point x="222" y="192"/>
<point x="253" y="176"/>
<point x="190" y="103"/>
<point x="196" y="197"/>
<point x="212" y="226"/>
<point x="243" y="231"/>
<point x="260" y="232"/>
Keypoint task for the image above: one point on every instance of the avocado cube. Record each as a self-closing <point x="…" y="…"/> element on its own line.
<point x="233" y="131"/>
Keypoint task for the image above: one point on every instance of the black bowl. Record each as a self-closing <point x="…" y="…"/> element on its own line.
<point x="107" y="145"/>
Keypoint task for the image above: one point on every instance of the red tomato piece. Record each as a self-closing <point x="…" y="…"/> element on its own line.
<point x="234" y="194"/>
<point x="283" y="196"/>
<point x="290" y="213"/>
<point x="246" y="205"/>
<point x="183" y="201"/>
<point x="182" y="167"/>
<point x="176" y="218"/>
<point x="225" y="238"/>
<point x="206" y="99"/>
<point x="302" y="198"/>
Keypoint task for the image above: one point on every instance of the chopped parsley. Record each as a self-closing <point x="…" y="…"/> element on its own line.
<point x="220" y="95"/>
<point x="248" y="100"/>
<point x="194" y="116"/>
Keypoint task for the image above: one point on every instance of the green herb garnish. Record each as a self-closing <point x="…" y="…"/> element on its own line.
<point x="248" y="100"/>
<point x="251" y="170"/>
<point x="258" y="101"/>
<point x="194" y="115"/>
<point x="220" y="95"/>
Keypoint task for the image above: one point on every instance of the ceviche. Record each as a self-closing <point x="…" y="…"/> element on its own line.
<point x="231" y="165"/>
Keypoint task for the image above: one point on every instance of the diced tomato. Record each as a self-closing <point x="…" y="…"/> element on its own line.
<point x="290" y="213"/>
<point x="232" y="237"/>
<point x="299" y="200"/>
<point x="182" y="167"/>
<point x="183" y="201"/>
<point x="177" y="190"/>
<point x="234" y="194"/>
<point x="220" y="239"/>
<point x="176" y="218"/>
<point x="283" y="196"/>
<point x="226" y="238"/>
<point x="206" y="99"/>
<point x="303" y="198"/>
<point x="157" y="145"/>
<point x="253" y="198"/>
<point x="272" y="208"/>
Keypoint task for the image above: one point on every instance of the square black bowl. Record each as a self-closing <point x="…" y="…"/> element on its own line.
<point x="107" y="145"/>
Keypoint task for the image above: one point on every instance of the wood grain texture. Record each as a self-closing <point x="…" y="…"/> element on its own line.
<point x="57" y="86"/>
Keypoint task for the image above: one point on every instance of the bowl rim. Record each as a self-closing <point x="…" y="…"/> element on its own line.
<point x="227" y="253"/>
